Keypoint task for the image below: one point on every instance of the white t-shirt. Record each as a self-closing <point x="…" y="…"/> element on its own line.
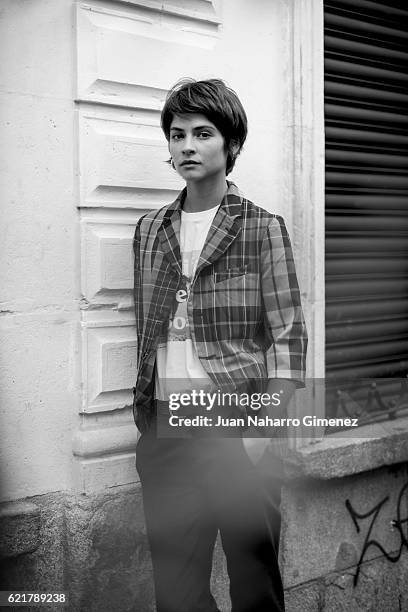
<point x="177" y="363"/>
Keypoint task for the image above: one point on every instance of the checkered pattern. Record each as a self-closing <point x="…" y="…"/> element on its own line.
<point x="244" y="309"/>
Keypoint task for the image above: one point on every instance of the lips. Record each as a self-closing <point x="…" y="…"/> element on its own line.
<point x="189" y="162"/>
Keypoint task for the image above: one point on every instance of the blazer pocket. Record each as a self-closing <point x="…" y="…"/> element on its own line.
<point x="230" y="273"/>
<point x="236" y="287"/>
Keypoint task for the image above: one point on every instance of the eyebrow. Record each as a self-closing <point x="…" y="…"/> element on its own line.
<point x="198" y="127"/>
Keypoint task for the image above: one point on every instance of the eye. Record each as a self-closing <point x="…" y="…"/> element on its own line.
<point x="176" y="137"/>
<point x="204" y="135"/>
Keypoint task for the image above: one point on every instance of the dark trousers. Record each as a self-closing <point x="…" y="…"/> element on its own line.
<point x="193" y="488"/>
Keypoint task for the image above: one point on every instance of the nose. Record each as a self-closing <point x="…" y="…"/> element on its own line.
<point x="188" y="144"/>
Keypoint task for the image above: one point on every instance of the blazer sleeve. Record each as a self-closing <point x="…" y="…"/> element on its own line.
<point x="283" y="315"/>
<point x="137" y="288"/>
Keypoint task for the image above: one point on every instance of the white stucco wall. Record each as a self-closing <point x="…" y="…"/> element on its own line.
<point x="256" y="59"/>
<point x="39" y="260"/>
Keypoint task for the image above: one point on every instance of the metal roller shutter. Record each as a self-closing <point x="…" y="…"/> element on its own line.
<point x="366" y="121"/>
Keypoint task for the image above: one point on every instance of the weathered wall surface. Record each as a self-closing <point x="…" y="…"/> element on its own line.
<point x="39" y="259"/>
<point x="345" y="542"/>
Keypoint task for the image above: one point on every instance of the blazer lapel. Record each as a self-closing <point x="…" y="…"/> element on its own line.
<point x="225" y="227"/>
<point x="169" y="233"/>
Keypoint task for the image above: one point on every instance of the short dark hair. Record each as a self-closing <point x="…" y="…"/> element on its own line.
<point x="218" y="102"/>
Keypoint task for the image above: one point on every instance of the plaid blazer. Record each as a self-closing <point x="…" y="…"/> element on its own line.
<point x="244" y="309"/>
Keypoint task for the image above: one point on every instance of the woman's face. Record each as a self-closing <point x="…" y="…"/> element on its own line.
<point x="197" y="148"/>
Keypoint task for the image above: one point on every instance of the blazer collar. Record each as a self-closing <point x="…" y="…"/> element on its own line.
<point x="224" y="229"/>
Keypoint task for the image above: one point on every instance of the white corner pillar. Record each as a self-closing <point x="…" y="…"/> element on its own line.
<point x="309" y="197"/>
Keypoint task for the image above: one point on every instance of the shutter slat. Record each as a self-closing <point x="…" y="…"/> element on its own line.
<point x="375" y="8"/>
<point x="363" y="158"/>
<point x="355" y="24"/>
<point x="364" y="114"/>
<point x="363" y="224"/>
<point x="367" y="331"/>
<point x="359" y="179"/>
<point x="367" y="73"/>
<point x="341" y="90"/>
<point x="362" y="286"/>
<point x="366" y="310"/>
<point x="392" y="265"/>
<point x="361" y="48"/>
<point x="349" y="203"/>
<point x="375" y="244"/>
<point x="355" y="136"/>
<point x="369" y="351"/>
<point x="393" y="367"/>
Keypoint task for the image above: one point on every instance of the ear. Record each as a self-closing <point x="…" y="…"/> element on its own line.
<point x="234" y="148"/>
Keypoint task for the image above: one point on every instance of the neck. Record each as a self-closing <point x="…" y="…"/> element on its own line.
<point x="204" y="196"/>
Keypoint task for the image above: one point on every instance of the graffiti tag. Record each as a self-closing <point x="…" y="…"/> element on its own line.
<point x="399" y="523"/>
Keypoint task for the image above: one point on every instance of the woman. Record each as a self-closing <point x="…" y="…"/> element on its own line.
<point x="217" y="307"/>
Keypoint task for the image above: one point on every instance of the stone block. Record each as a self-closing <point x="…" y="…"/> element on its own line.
<point x="38" y="400"/>
<point x="108" y="565"/>
<point x="110" y="351"/>
<point x="352" y="451"/>
<point x="305" y="598"/>
<point x="19" y="529"/>
<point x="112" y="145"/>
<point x="144" y="31"/>
<point x="35" y="546"/>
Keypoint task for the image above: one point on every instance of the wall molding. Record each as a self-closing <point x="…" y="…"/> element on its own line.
<point x="308" y="190"/>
